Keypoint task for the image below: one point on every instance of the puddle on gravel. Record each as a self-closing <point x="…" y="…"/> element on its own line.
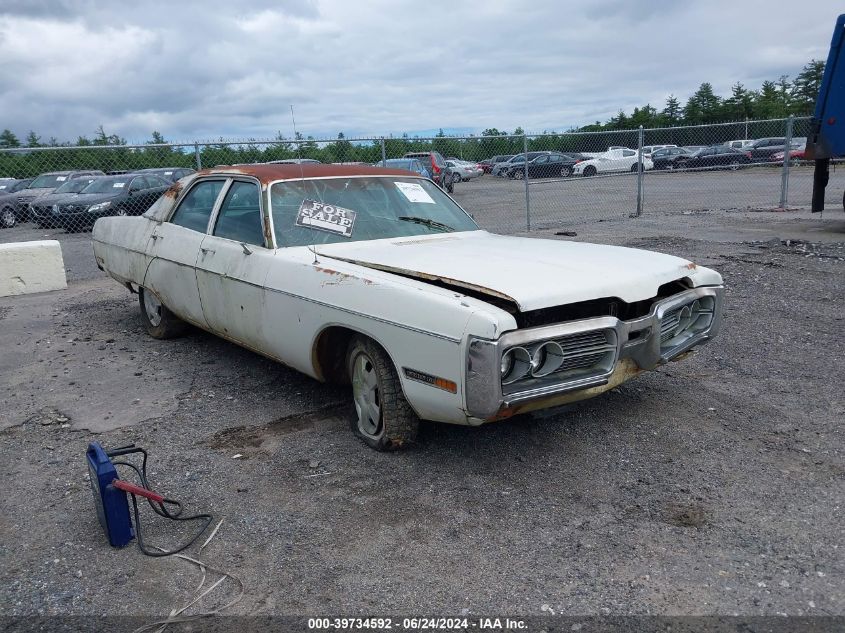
<point x="686" y="515"/>
<point x="254" y="441"/>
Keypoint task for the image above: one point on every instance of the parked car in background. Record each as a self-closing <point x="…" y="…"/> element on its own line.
<point x="410" y="164"/>
<point x="762" y="149"/>
<point x="715" y="156"/>
<point x="740" y="144"/>
<point x="615" y="160"/>
<point x="462" y="170"/>
<point x="170" y="174"/>
<point x="6" y="183"/>
<point x="648" y="150"/>
<point x="47" y="183"/>
<point x="9" y="214"/>
<point x="488" y="163"/>
<point x="547" y="165"/>
<point x="667" y="158"/>
<point x="436" y="164"/>
<point x="422" y="314"/>
<point x="518" y="160"/>
<point x="43" y="210"/>
<point x="694" y="148"/>
<point x="795" y="156"/>
<point x="130" y="194"/>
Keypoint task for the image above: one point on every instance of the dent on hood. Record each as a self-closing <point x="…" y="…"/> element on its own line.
<point x="499" y="299"/>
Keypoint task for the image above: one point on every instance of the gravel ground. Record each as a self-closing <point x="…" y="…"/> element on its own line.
<point x="711" y="486"/>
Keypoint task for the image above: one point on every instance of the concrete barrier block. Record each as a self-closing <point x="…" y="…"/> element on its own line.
<point x="27" y="267"/>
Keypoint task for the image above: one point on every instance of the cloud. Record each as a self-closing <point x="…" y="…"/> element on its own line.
<point x="212" y="69"/>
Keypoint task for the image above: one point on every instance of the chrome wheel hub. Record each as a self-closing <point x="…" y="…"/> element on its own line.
<point x="152" y="306"/>
<point x="367" y="397"/>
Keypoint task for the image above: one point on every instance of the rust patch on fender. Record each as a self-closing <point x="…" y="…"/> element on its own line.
<point x="691" y="266"/>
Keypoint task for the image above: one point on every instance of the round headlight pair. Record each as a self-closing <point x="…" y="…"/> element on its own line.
<point x="518" y="362"/>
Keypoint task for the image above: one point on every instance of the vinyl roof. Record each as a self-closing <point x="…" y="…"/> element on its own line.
<point x="267" y="173"/>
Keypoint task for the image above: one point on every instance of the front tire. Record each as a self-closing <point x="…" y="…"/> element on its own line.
<point x="383" y="418"/>
<point x="456" y="177"/>
<point x="8" y="219"/>
<point x="159" y="322"/>
<point x="589" y="170"/>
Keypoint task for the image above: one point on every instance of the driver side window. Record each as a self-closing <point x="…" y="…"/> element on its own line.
<point x="196" y="207"/>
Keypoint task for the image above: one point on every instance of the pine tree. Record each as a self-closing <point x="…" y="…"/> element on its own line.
<point x="8" y="139"/>
<point x="33" y="140"/>
<point x="672" y="112"/>
<point x="805" y="88"/>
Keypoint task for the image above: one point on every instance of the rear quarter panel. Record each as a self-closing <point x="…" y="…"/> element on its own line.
<point x="121" y="246"/>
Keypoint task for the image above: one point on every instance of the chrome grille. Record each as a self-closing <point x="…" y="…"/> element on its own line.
<point x="584" y="354"/>
<point x="685" y="322"/>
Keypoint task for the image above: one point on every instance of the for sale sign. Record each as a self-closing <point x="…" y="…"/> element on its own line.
<point x="326" y="217"/>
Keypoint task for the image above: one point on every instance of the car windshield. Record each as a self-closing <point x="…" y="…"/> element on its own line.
<point x="107" y="185"/>
<point x="50" y="181"/>
<point x="332" y="210"/>
<point x="74" y="186"/>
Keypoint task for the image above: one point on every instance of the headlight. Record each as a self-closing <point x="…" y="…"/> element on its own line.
<point x="99" y="207"/>
<point x="517" y="362"/>
<point x="546" y="359"/>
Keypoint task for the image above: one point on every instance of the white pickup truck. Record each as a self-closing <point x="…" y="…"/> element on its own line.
<point x="377" y="278"/>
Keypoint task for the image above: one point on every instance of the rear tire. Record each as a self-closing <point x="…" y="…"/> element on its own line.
<point x="566" y="171"/>
<point x="383" y="418"/>
<point x="159" y="322"/>
<point x="734" y="165"/>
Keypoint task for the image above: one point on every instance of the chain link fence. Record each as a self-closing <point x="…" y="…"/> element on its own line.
<point x="568" y="177"/>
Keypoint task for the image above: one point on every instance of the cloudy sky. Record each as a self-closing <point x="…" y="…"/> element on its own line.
<point x="371" y="67"/>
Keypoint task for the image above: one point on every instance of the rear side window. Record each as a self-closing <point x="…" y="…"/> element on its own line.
<point x="195" y="209"/>
<point x="629" y="153"/>
<point x="239" y="218"/>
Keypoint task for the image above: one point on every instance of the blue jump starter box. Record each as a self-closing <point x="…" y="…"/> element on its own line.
<point x="111" y="503"/>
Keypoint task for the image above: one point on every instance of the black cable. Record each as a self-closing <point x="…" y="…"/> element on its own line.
<point x="159" y="508"/>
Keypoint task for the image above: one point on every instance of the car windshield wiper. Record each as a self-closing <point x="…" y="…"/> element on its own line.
<point x="432" y="223"/>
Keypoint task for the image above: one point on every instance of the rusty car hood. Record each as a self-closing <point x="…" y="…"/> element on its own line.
<point x="531" y="272"/>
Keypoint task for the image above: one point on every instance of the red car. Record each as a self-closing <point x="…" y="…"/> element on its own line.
<point x="795" y="156"/>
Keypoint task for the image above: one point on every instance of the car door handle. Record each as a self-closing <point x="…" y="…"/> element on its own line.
<point x="246" y="248"/>
<point x="206" y="251"/>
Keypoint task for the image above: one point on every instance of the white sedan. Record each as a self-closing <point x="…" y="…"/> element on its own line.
<point x="614" y="160"/>
<point x="462" y="170"/>
<point x="377" y="278"/>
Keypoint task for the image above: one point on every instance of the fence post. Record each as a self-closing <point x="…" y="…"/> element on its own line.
<point x="784" y="176"/>
<point x="197" y="155"/>
<point x="640" y="173"/>
<point x="383" y="153"/>
<point x="527" y="196"/>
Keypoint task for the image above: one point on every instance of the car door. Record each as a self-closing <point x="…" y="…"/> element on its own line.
<point x="536" y="168"/>
<point x="175" y="246"/>
<point x="232" y="267"/>
<point x="628" y="160"/>
<point x="136" y="196"/>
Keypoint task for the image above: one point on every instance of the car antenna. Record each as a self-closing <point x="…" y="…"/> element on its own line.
<point x="312" y="248"/>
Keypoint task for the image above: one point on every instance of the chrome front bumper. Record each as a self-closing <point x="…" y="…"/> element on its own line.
<point x="638" y="340"/>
